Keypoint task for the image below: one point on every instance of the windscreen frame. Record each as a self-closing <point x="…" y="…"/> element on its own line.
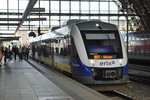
<point x="116" y="33"/>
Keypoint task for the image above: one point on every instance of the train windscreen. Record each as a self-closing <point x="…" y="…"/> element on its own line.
<point x="102" y="44"/>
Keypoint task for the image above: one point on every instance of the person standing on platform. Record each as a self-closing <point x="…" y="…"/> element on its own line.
<point x="15" y="51"/>
<point x="27" y="53"/>
<point x="9" y="54"/>
<point x="20" y="53"/>
<point x="1" y="56"/>
<point x="24" y="52"/>
<point x="5" y="55"/>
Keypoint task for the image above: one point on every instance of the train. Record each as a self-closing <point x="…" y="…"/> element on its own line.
<point x="138" y="45"/>
<point x="91" y="51"/>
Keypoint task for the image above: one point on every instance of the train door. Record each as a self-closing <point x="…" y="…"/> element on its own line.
<point x="52" y="52"/>
<point x="32" y="53"/>
<point x="74" y="58"/>
<point x="73" y="51"/>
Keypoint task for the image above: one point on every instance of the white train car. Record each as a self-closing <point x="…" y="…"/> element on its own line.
<point x="93" y="52"/>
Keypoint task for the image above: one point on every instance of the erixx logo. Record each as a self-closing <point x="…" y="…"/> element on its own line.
<point x="107" y="63"/>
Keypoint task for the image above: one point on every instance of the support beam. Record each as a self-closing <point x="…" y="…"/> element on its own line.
<point x="10" y="19"/>
<point x="77" y="0"/>
<point x="28" y="25"/>
<point x="9" y="38"/>
<point x="26" y="13"/>
<point x="36" y="19"/>
<point x="6" y="33"/>
<point x="1" y="37"/>
<point x="68" y="14"/>
<point x="16" y="19"/>
<point x="35" y="30"/>
<point x="38" y="10"/>
<point x="9" y="24"/>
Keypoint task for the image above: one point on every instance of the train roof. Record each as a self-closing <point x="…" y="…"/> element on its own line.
<point x="81" y="24"/>
<point x="45" y="36"/>
<point x="96" y="25"/>
<point x="72" y="21"/>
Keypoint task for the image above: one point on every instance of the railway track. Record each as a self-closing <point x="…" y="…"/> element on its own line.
<point x="144" y="62"/>
<point x="141" y="79"/>
<point x="139" y="67"/>
<point x="139" y="72"/>
<point x="115" y="95"/>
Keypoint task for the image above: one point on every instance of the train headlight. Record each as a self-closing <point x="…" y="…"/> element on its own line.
<point x="120" y="61"/>
<point x="92" y="69"/>
<point x="97" y="25"/>
<point x="92" y="62"/>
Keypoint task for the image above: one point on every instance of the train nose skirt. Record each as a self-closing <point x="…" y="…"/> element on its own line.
<point x="107" y="74"/>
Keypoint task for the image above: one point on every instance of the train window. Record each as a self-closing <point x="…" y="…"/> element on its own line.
<point x="102" y="43"/>
<point x="91" y="36"/>
<point x="63" y="51"/>
<point x="55" y="41"/>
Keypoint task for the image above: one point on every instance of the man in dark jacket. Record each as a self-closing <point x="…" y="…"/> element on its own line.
<point x="15" y="51"/>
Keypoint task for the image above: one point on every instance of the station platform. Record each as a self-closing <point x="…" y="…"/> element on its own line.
<point x="20" y="80"/>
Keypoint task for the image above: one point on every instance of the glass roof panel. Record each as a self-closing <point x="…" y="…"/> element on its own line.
<point x="55" y="15"/>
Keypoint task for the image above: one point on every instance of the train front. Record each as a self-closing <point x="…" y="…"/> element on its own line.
<point x="102" y="54"/>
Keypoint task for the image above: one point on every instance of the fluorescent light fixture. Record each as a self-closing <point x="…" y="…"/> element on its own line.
<point x="7" y="31"/>
<point x="6" y="35"/>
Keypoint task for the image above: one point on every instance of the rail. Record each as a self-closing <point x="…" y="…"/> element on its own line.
<point x="117" y="95"/>
<point x="139" y="73"/>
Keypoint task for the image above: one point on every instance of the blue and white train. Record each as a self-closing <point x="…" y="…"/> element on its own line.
<point x="93" y="52"/>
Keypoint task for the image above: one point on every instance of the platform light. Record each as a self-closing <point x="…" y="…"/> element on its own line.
<point x="8" y="31"/>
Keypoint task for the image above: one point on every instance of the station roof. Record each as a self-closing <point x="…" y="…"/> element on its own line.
<point x="141" y="8"/>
